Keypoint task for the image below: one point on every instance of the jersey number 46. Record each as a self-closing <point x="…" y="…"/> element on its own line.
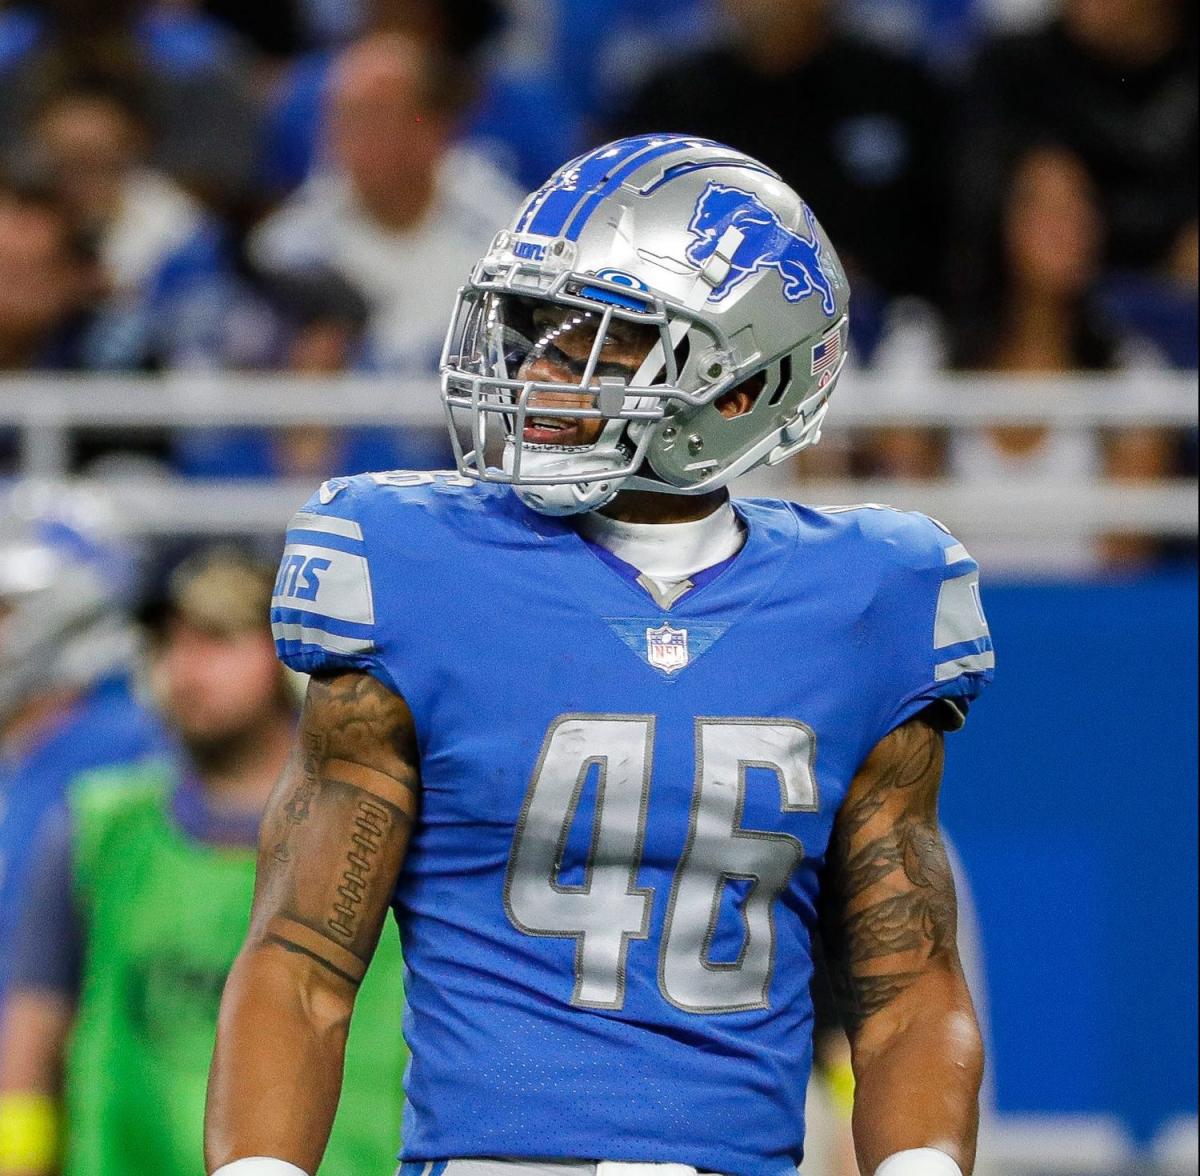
<point x="608" y="909"/>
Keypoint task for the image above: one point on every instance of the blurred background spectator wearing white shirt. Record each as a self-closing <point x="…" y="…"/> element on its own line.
<point x="399" y="211"/>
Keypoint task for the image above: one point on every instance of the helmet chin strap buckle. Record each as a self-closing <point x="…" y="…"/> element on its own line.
<point x="611" y="398"/>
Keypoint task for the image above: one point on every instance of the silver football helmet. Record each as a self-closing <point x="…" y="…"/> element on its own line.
<point x="664" y="314"/>
<point x="64" y="584"/>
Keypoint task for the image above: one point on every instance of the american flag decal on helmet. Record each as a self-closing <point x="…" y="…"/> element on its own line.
<point x="827" y="351"/>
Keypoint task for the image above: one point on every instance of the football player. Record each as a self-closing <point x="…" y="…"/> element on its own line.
<point x="67" y="651"/>
<point x="612" y="745"/>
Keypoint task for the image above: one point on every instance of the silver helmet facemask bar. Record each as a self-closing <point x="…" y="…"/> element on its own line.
<point x="485" y="399"/>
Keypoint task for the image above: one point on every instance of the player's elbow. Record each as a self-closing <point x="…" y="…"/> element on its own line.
<point x="958" y="1029"/>
<point x="935" y="1013"/>
<point x="272" y="984"/>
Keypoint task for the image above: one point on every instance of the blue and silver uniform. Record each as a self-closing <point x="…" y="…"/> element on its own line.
<point x="608" y="903"/>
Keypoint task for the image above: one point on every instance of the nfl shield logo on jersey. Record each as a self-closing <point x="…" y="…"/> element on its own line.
<point x="667" y="648"/>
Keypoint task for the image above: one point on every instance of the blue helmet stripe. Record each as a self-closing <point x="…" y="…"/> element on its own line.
<point x="564" y="204"/>
<point x="553" y="186"/>
<point x="549" y="211"/>
<point x="684" y="169"/>
<point x="659" y="147"/>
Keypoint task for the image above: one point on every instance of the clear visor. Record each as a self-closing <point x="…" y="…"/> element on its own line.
<point x="519" y="338"/>
<point x="551" y="376"/>
<point x="583" y="369"/>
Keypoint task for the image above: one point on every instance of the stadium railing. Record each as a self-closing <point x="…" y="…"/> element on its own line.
<point x="47" y="412"/>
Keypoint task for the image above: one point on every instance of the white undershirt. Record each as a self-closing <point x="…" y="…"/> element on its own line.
<point x="667" y="554"/>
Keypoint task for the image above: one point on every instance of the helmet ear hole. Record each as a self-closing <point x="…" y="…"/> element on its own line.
<point x="785" y="381"/>
<point x="683" y="352"/>
<point x="742" y="399"/>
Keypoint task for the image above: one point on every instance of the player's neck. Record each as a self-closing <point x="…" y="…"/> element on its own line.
<point x="644" y="506"/>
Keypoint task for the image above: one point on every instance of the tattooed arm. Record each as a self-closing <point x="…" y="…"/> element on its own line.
<point x="889" y="918"/>
<point x="333" y="839"/>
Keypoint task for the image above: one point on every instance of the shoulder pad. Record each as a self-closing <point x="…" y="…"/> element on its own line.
<point x="929" y="586"/>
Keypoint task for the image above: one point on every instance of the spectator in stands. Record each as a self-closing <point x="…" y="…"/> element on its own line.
<point x="195" y="74"/>
<point x="600" y="54"/>
<point x="47" y="275"/>
<point x="158" y="248"/>
<point x="311" y="324"/>
<point x="1115" y="82"/>
<point x="66" y="654"/>
<point x="520" y="116"/>
<point x="859" y="132"/>
<point x="1029" y="312"/>
<point x="138" y="904"/>
<point x="401" y="213"/>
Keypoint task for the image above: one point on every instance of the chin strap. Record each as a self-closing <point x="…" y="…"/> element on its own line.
<point x="562" y="501"/>
<point x="566" y="497"/>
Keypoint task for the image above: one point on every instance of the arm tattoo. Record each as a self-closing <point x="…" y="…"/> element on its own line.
<point x="337" y="827"/>
<point x="297" y="806"/>
<point x="371" y="823"/>
<point x="889" y="912"/>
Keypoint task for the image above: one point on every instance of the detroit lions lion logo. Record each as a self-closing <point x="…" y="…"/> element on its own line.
<point x="765" y="243"/>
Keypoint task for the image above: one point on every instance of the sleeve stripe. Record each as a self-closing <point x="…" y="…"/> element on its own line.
<point x="327" y="524"/>
<point x="322" y="539"/>
<point x="956" y="553"/>
<point x="331" y="642"/>
<point x="300" y="616"/>
<point x="949" y="653"/>
<point x="971" y="663"/>
<point x="959" y="616"/>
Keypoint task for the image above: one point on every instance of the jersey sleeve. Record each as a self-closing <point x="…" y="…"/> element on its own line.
<point x="323" y="614"/>
<point x="945" y="645"/>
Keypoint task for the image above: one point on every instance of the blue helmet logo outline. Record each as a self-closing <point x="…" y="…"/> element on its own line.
<point x="766" y="243"/>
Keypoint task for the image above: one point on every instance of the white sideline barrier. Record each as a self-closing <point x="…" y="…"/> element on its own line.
<point x="47" y="410"/>
<point x="1176" y="1148"/>
<point x="861" y="401"/>
<point x="1058" y="1145"/>
<point x="168" y="506"/>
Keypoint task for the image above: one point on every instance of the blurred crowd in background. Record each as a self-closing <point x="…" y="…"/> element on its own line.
<point x="301" y="185"/>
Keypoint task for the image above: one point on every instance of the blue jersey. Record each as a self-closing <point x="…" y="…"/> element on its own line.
<point x="608" y="902"/>
<point x="107" y="726"/>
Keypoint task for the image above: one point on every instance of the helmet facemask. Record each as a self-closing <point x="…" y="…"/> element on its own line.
<point x="571" y="384"/>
